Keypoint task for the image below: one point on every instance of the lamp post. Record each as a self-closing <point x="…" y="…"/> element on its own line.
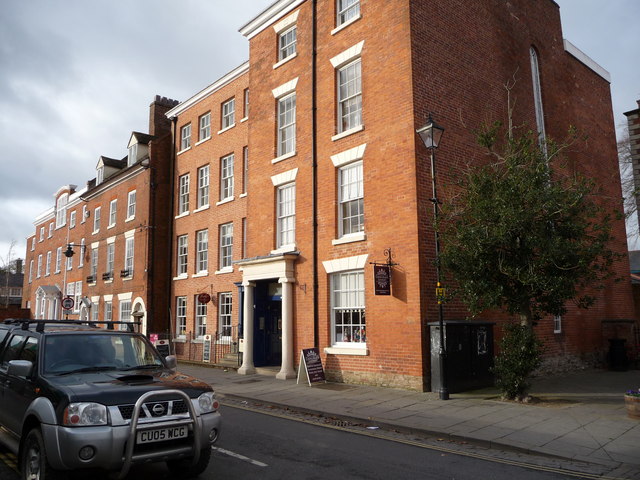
<point x="431" y="134"/>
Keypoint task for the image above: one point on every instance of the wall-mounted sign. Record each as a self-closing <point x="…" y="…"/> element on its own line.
<point x="382" y="279"/>
<point x="311" y="364"/>
<point x="163" y="348"/>
<point x="204" y="298"/>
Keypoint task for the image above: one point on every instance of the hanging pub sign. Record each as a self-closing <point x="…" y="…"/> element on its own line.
<point x="382" y="279"/>
<point x="204" y="298"/>
<point x="311" y="364"/>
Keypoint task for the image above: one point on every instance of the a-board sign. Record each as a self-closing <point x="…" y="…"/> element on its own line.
<point x="163" y="348"/>
<point x="311" y="365"/>
<point x="206" y="349"/>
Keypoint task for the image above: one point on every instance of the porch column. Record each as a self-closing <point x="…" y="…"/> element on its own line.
<point x="286" y="370"/>
<point x="247" y="367"/>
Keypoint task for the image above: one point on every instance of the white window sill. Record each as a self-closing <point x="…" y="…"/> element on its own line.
<point x="130" y="219"/>
<point x="183" y="214"/>
<point x="127" y="279"/>
<point x="203" y="140"/>
<point x="226" y="128"/>
<point x="224" y="270"/>
<point x="361" y="351"/>
<point x="182" y="276"/>
<point x="242" y="195"/>
<point x="284" y="249"/>
<point x="109" y="281"/>
<point x="95" y="232"/>
<point x="180" y="340"/>
<point x="244" y="119"/>
<point x="91" y="284"/>
<point x="345" y="24"/>
<point x="205" y="207"/>
<point x="285" y="60"/>
<point x="184" y="150"/>
<point x="284" y="157"/>
<point x="353" y="237"/>
<point x="347" y="133"/>
<point x="111" y="226"/>
<point x="226" y="200"/>
<point x="198" y="340"/>
<point x="204" y="273"/>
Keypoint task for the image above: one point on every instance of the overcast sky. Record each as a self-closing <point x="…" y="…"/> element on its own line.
<point x="77" y="77"/>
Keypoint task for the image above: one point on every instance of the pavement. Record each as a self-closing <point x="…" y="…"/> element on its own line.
<point x="578" y="416"/>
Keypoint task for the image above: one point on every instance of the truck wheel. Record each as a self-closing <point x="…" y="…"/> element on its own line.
<point x="33" y="463"/>
<point x="184" y="469"/>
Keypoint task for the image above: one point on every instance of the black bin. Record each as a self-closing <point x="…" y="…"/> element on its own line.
<point x="617" y="356"/>
<point x="469" y="355"/>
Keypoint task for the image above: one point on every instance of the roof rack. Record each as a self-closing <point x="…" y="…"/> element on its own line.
<point x="40" y="324"/>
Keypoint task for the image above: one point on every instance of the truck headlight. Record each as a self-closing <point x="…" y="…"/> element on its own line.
<point x="207" y="402"/>
<point x="85" y="414"/>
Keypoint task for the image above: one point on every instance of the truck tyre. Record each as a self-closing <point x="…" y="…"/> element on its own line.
<point x="184" y="469"/>
<point x="33" y="463"/>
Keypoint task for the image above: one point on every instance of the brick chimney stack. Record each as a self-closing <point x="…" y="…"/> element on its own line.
<point x="159" y="124"/>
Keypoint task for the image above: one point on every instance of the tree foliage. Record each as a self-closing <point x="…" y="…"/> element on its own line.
<point x="525" y="234"/>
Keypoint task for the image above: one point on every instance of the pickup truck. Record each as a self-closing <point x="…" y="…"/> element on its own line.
<point x="76" y="397"/>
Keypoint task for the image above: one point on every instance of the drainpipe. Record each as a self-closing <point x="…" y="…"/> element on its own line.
<point x="314" y="169"/>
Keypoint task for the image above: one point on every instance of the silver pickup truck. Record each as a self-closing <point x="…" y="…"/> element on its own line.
<point x="75" y="396"/>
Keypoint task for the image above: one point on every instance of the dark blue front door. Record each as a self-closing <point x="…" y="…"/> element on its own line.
<point x="267" y="349"/>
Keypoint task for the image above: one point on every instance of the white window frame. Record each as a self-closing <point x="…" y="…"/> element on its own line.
<point x="350" y="192"/>
<point x="182" y="256"/>
<point x="113" y="213"/>
<point x="72" y="219"/>
<point x="77" y="296"/>
<point x="61" y="210"/>
<point x="33" y="243"/>
<point x="51" y="227"/>
<point x="202" y="251"/>
<point x="225" y="315"/>
<point x="132" y="157"/>
<point x="245" y="95"/>
<point x="183" y="194"/>
<point x="245" y="169"/>
<point x="111" y="255"/>
<point x="181" y="317"/>
<point x="41" y="234"/>
<point x="124" y="313"/>
<point x="347" y="11"/>
<point x="201" y="319"/>
<point x="82" y="249"/>
<point x="226" y="246"/>
<point x="287" y="124"/>
<point x="286" y="215"/>
<point x="96" y="220"/>
<point x="204" y="127"/>
<point x="108" y="311"/>
<point x="226" y="177"/>
<point x="30" y="271"/>
<point x="47" y="267"/>
<point x="349" y="95"/>
<point x="58" y="259"/>
<point x="203" y="187"/>
<point x="557" y="324"/>
<point x="287" y="43"/>
<point x="129" y="252"/>
<point x="69" y="262"/>
<point x="131" y="205"/>
<point x="348" y="296"/>
<point x="39" y="272"/>
<point x="185" y="137"/>
<point x="228" y="114"/>
<point x="93" y="269"/>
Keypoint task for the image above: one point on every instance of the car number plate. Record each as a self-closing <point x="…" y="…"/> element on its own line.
<point x="162" y="434"/>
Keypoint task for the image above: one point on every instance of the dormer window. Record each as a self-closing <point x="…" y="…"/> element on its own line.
<point x="100" y="175"/>
<point x="133" y="155"/>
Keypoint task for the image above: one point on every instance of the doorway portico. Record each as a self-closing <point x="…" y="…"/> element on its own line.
<point x="268" y="313"/>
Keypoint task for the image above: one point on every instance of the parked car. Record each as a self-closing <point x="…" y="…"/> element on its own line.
<point x="75" y="396"/>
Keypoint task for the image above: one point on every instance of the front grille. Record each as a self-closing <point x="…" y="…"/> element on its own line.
<point x="170" y="407"/>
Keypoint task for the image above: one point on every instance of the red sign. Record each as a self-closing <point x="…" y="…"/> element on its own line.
<point x="204" y="298"/>
<point x="67" y="303"/>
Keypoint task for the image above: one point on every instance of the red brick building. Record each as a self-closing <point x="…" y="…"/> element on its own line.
<point x="338" y="176"/>
<point x="209" y="213"/>
<point x="107" y="245"/>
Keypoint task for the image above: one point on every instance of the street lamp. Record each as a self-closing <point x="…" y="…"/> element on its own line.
<point x="69" y="251"/>
<point x="431" y="134"/>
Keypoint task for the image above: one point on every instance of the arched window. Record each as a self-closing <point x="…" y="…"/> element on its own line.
<point x="61" y="210"/>
<point x="537" y="97"/>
